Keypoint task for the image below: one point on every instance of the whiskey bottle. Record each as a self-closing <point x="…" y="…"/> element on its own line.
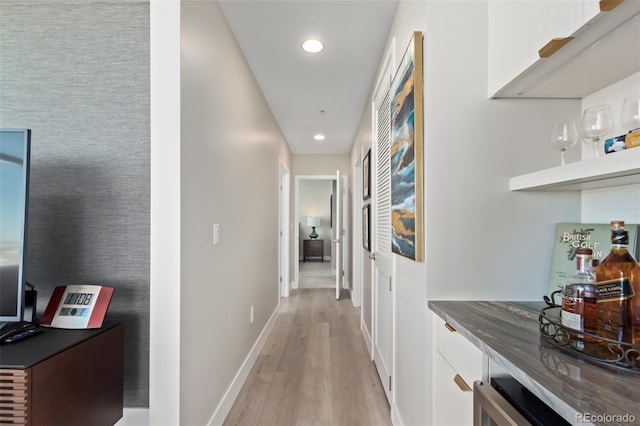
<point x="579" y="308"/>
<point x="618" y="290"/>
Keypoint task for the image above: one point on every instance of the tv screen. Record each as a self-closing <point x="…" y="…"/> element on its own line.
<point x="14" y="189"/>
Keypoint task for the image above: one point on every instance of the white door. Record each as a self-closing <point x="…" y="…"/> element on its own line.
<point x="338" y="234"/>
<point x="284" y="231"/>
<point x="381" y="243"/>
<point x="344" y="232"/>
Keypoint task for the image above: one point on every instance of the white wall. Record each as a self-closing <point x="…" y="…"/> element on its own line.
<point x="320" y="164"/>
<point x="230" y="151"/>
<point x="620" y="203"/>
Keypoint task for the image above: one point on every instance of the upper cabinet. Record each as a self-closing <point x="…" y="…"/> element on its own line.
<point x="561" y="49"/>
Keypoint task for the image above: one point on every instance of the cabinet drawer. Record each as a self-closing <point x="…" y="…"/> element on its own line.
<point x="461" y="354"/>
<point x="313" y="248"/>
<point x="452" y="404"/>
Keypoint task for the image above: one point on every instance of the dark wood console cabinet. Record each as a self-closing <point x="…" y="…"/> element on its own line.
<point x="64" y="377"/>
<point x="314" y="249"/>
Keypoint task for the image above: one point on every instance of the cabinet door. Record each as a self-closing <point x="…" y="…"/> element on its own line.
<point x="460" y="353"/>
<point x="457" y="363"/>
<point x="452" y="405"/>
<point x="519" y="28"/>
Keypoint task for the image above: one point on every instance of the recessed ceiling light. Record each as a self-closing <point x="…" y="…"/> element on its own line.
<point x="319" y="137"/>
<point x="312" y="45"/>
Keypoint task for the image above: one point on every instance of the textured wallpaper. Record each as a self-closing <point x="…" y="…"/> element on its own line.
<point x="77" y="75"/>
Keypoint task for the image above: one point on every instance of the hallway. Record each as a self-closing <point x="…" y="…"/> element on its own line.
<point x="316" y="275"/>
<point x="314" y="369"/>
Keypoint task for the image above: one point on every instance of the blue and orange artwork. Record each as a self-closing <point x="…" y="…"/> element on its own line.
<point x="403" y="158"/>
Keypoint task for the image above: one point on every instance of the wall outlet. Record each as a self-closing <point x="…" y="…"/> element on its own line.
<point x="216" y="234"/>
<point x="251" y="315"/>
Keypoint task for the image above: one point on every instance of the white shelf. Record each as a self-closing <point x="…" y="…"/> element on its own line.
<point x="603" y="51"/>
<point x="620" y="168"/>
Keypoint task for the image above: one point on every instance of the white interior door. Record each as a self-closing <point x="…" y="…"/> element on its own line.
<point x="344" y="233"/>
<point x="338" y="233"/>
<point x="284" y="231"/>
<point x="382" y="266"/>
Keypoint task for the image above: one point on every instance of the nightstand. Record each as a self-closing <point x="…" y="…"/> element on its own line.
<point x="313" y="248"/>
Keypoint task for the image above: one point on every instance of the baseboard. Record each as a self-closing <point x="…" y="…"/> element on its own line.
<point x="232" y="392"/>
<point x="134" y="417"/>
<point x="367" y="337"/>
<point x="396" y="420"/>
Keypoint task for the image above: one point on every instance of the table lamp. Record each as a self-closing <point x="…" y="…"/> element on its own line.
<point x="313" y="222"/>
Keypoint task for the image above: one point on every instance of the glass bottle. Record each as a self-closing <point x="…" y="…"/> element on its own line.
<point x="579" y="308"/>
<point x="618" y="290"/>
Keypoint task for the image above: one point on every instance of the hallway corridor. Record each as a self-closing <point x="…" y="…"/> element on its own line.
<point x="314" y="369"/>
<point x="316" y="275"/>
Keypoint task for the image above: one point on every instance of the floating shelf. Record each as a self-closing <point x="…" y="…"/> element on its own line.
<point x="603" y="51"/>
<point x="620" y="168"/>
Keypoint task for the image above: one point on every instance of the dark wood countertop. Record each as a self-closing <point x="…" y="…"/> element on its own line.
<point x="28" y="352"/>
<point x="509" y="334"/>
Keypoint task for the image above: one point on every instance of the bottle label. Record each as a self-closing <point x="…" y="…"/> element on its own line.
<point x="571" y="320"/>
<point x="618" y="289"/>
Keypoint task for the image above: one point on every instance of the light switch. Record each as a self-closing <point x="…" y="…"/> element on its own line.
<point x="216" y="234"/>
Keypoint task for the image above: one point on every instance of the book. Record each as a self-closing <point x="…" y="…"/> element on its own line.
<point x="571" y="236"/>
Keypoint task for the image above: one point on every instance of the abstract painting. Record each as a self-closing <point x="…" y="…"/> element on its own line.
<point x="406" y="153"/>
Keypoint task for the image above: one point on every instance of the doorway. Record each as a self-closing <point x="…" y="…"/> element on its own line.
<point x="316" y="213"/>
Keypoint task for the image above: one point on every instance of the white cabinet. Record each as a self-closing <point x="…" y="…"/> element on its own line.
<point x="451" y="405"/>
<point x="602" y="49"/>
<point x="518" y="29"/>
<point x="457" y="363"/>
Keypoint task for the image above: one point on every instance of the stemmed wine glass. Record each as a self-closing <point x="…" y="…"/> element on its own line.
<point x="631" y="113"/>
<point x="563" y="135"/>
<point x="597" y="123"/>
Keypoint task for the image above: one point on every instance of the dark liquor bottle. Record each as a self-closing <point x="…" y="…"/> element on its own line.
<point x="579" y="308"/>
<point x="618" y="290"/>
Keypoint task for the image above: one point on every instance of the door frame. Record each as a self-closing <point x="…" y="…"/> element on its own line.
<point x="341" y="233"/>
<point x="356" y="235"/>
<point x="284" y="240"/>
<point x="296" y="248"/>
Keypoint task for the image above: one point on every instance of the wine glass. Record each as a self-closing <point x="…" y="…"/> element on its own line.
<point x="631" y="113"/>
<point x="563" y="135"/>
<point x="597" y="123"/>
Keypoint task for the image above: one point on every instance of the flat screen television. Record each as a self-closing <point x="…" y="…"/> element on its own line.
<point x="15" y="145"/>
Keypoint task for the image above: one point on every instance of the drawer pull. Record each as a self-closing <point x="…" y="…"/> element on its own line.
<point x="609" y="5"/>
<point x="553" y="46"/>
<point x="448" y="327"/>
<point x="464" y="387"/>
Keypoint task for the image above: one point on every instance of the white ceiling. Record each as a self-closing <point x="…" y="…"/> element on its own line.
<point x="298" y="85"/>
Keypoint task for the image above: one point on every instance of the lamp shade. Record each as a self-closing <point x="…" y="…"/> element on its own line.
<point x="313" y="221"/>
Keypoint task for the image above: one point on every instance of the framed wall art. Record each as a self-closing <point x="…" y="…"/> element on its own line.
<point x="366" y="176"/>
<point x="406" y="153"/>
<point x="366" y="229"/>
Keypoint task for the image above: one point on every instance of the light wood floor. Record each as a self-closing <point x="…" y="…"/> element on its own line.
<point x="314" y="369"/>
<point x="316" y="275"/>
